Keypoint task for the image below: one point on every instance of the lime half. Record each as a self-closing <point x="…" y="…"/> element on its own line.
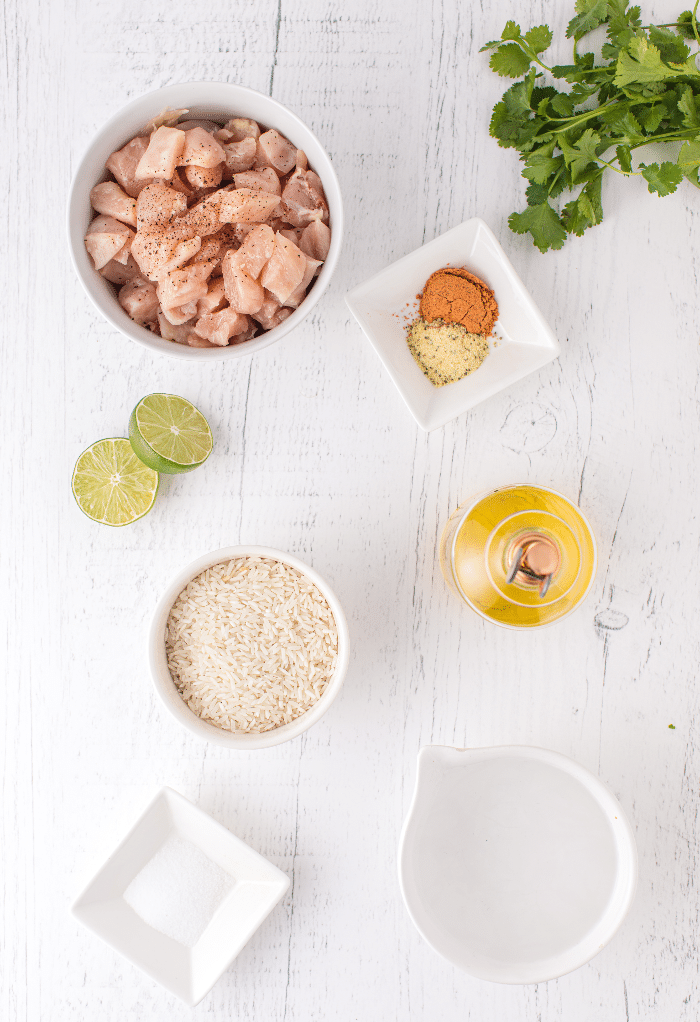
<point x="169" y="434"/>
<point x="111" y="485"/>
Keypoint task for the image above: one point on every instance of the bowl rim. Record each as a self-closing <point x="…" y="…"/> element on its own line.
<point x="165" y="686"/>
<point x="627" y="867"/>
<point x="144" y="337"/>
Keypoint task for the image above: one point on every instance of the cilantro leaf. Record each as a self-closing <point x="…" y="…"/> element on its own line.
<point x="579" y="155"/>
<point x="536" y="194"/>
<point x="670" y="46"/>
<point x="574" y="219"/>
<point x="563" y="105"/>
<point x="689" y="156"/>
<point x="542" y="223"/>
<point x="590" y="14"/>
<point x="687" y="106"/>
<point x="540" y="164"/>
<point x="622" y="21"/>
<point x="509" y="61"/>
<point x="539" y="38"/>
<point x="685" y="25"/>
<point x="624" y="158"/>
<point x="511" y="31"/>
<point x="641" y="63"/>
<point x="663" y="179"/>
<point x="651" y="117"/>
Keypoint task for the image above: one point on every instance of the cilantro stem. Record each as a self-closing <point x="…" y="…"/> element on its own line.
<point x="589" y="114"/>
<point x="671" y="136"/>
<point x="695" y="24"/>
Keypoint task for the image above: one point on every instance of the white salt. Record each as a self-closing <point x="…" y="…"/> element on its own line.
<point x="178" y="891"/>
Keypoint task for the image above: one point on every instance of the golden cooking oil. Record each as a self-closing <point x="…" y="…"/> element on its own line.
<point x="484" y="550"/>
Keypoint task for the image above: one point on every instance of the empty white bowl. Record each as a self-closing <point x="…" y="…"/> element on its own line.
<point x="524" y="341"/>
<point x="515" y="863"/>
<point x="167" y="690"/>
<point x="218" y="101"/>
<point x="189" y="972"/>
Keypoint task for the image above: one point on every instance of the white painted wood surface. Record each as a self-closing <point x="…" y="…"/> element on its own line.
<point x="316" y="454"/>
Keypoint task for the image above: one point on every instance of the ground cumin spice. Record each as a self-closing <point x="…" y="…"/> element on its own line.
<point x="457" y="296"/>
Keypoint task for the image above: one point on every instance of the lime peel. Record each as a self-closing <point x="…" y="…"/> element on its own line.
<point x="169" y="434"/>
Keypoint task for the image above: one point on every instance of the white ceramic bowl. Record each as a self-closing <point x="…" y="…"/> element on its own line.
<point x="165" y="686"/>
<point x="516" y="863"/>
<point x="524" y="340"/>
<point x="187" y="972"/>
<point x="218" y="101"/>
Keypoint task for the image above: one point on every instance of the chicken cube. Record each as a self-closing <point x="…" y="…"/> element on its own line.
<point x="218" y="327"/>
<point x="123" y="164"/>
<point x="105" y="238"/>
<point x="244" y="294"/>
<point x="178" y="287"/>
<point x="201" y="150"/>
<point x="247" y="206"/>
<point x="257" y="248"/>
<point x="243" y="127"/>
<point x="139" y="300"/>
<point x="284" y="270"/>
<point x="109" y="199"/>
<point x="204" y="177"/>
<point x="265" y="180"/>
<point x="274" y="150"/>
<point x="299" y="294"/>
<point x="163" y="154"/>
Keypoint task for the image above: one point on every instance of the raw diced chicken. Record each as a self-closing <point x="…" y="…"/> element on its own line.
<point x="243" y="292"/>
<point x="184" y="285"/>
<point x="123" y="164"/>
<point x="165" y="257"/>
<point x="163" y="154"/>
<point x="280" y="317"/>
<point x="247" y="206"/>
<point x="258" y="246"/>
<point x="239" y="156"/>
<point x="198" y="122"/>
<point x="267" y="311"/>
<point x="315" y="240"/>
<point x="265" y="180"/>
<point x="108" y="198"/>
<point x="158" y="205"/>
<point x="243" y="127"/>
<point x="118" y="274"/>
<point x="218" y="327"/>
<point x="301" y="161"/>
<point x="213" y="299"/>
<point x="180" y="314"/>
<point x="124" y="252"/>
<point x="166" y="116"/>
<point x="299" y="294"/>
<point x="210" y="250"/>
<point x="202" y="219"/>
<point x="179" y="334"/>
<point x="201" y="150"/>
<point x="104" y="239"/>
<point x="285" y="269"/>
<point x="292" y="234"/>
<point x="139" y="300"/>
<point x="301" y="201"/>
<point x="274" y="150"/>
<point x="223" y="135"/>
<point x="204" y="177"/>
<point x="194" y="340"/>
<point x="179" y="183"/>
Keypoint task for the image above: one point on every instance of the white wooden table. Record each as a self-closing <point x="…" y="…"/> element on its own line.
<point x="316" y="454"/>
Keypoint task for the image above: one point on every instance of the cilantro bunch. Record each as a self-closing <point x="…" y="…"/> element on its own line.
<point x="648" y="91"/>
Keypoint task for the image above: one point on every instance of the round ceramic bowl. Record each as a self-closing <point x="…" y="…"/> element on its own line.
<point x="218" y="101"/>
<point x="165" y="686"/>
<point x="515" y="863"/>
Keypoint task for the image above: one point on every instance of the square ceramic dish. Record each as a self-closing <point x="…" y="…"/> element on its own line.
<point x="188" y="972"/>
<point x="523" y="340"/>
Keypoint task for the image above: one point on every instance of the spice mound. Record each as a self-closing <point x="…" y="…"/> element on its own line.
<point x="446" y="352"/>
<point x="456" y="296"/>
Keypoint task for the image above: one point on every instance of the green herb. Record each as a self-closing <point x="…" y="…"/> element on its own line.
<point x="672" y="726"/>
<point x="648" y="91"/>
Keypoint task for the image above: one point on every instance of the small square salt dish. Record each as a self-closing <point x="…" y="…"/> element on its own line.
<point x="252" y="887"/>
<point x="386" y="303"/>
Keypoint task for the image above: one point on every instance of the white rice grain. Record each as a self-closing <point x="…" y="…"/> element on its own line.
<point x="251" y="644"/>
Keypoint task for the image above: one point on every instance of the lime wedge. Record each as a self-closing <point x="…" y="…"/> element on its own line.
<point x="169" y="434"/>
<point x="111" y="485"/>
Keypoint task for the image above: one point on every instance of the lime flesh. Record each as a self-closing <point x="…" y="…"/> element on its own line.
<point x="169" y="434"/>
<point x="111" y="485"/>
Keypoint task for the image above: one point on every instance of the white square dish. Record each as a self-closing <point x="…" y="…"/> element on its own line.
<point x="523" y="340"/>
<point x="189" y="972"/>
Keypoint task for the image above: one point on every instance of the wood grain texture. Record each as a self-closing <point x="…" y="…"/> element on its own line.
<point x="316" y="454"/>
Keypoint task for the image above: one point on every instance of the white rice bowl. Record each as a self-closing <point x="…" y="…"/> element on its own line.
<point x="251" y="644"/>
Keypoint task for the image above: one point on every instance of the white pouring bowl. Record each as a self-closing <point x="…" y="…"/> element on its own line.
<point x="167" y="690"/>
<point x="218" y="101"/>
<point x="515" y="863"/>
